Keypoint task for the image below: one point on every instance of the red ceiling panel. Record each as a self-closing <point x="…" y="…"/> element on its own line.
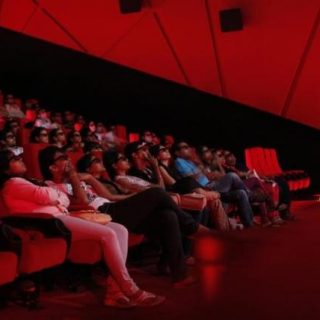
<point x="15" y="14"/>
<point x="305" y="106"/>
<point x="145" y="48"/>
<point x="96" y="24"/>
<point x="190" y="34"/>
<point x="258" y="64"/>
<point x="41" y="26"/>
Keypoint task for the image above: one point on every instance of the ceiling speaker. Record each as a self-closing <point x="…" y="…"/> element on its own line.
<point x="130" y="6"/>
<point x="231" y="20"/>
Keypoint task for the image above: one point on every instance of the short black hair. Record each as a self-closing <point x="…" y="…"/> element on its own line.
<point x="46" y="159"/>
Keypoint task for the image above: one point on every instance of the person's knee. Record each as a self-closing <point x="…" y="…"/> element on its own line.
<point x="241" y="194"/>
<point x="121" y="230"/>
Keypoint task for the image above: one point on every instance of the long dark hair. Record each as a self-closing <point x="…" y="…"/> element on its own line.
<point x="5" y="157"/>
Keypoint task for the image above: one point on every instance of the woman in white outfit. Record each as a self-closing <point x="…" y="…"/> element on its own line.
<point x="23" y="196"/>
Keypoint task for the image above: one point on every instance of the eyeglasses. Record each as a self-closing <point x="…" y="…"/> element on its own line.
<point x="95" y="160"/>
<point x="184" y="147"/>
<point x="15" y="158"/>
<point x="62" y="157"/>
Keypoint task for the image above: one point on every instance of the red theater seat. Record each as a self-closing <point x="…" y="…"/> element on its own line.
<point x="265" y="162"/>
<point x="42" y="241"/>
<point x="31" y="159"/>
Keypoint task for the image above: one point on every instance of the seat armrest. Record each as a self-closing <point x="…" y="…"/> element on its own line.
<point x="47" y="224"/>
<point x="9" y="241"/>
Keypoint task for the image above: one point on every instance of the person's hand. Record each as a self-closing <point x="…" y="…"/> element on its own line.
<point x="86" y="177"/>
<point x="152" y="160"/>
<point x="69" y="169"/>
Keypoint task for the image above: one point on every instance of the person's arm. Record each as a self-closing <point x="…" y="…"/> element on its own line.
<point x="155" y="167"/>
<point x="167" y="178"/>
<point x="79" y="196"/>
<point x="100" y="189"/>
<point x="186" y="171"/>
<point x="132" y="184"/>
<point x="23" y="189"/>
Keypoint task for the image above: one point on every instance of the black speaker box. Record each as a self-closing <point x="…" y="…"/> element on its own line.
<point x="231" y="20"/>
<point x="130" y="6"/>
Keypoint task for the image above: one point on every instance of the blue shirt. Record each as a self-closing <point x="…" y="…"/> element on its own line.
<point x="187" y="168"/>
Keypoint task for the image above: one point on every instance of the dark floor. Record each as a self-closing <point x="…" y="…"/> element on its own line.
<point x="260" y="274"/>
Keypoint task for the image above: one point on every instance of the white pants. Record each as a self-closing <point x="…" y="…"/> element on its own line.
<point x="113" y="238"/>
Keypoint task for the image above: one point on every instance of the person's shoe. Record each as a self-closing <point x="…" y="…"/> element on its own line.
<point x="190" y="261"/>
<point x="121" y="302"/>
<point x="146" y="299"/>
<point x="277" y="220"/>
<point x="184" y="283"/>
<point x="266" y="224"/>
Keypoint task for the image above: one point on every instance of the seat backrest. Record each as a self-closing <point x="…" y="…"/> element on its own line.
<point x="75" y="156"/>
<point x="31" y="159"/>
<point x="121" y="132"/>
<point x="134" y="137"/>
<point x="255" y="159"/>
<point x="270" y="158"/>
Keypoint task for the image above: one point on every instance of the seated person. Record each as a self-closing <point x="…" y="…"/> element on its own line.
<point x="229" y="186"/>
<point x="189" y="185"/>
<point x="74" y="142"/>
<point x="57" y="138"/>
<point x="23" y="196"/>
<point x="9" y="142"/>
<point x="39" y="135"/>
<point x="13" y="109"/>
<point x="254" y="181"/>
<point x="152" y="213"/>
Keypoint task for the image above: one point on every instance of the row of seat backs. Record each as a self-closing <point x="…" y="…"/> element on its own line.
<point x="26" y="250"/>
<point x="265" y="162"/>
<point x="24" y="135"/>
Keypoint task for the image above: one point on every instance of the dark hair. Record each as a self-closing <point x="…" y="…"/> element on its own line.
<point x="46" y="159"/>
<point x="36" y="133"/>
<point x="90" y="145"/>
<point x="70" y="137"/>
<point x="5" y="156"/>
<point x="176" y="146"/>
<point x="52" y="135"/>
<point x="84" y="163"/>
<point x="3" y="134"/>
<point x="109" y="159"/>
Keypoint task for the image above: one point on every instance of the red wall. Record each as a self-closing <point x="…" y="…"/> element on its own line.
<point x="272" y="64"/>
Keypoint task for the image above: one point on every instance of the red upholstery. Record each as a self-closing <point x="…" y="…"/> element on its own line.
<point x="121" y="132"/>
<point x="8" y="267"/>
<point x="30" y="157"/>
<point x="75" y="156"/>
<point x="265" y="162"/>
<point x="41" y="254"/>
<point x="24" y="135"/>
<point x="134" y="137"/>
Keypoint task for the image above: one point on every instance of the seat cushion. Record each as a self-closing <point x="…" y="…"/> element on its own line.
<point x="40" y="254"/>
<point x="85" y="251"/>
<point x="8" y="267"/>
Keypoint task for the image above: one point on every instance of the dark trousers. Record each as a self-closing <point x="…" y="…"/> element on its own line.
<point x="153" y="213"/>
